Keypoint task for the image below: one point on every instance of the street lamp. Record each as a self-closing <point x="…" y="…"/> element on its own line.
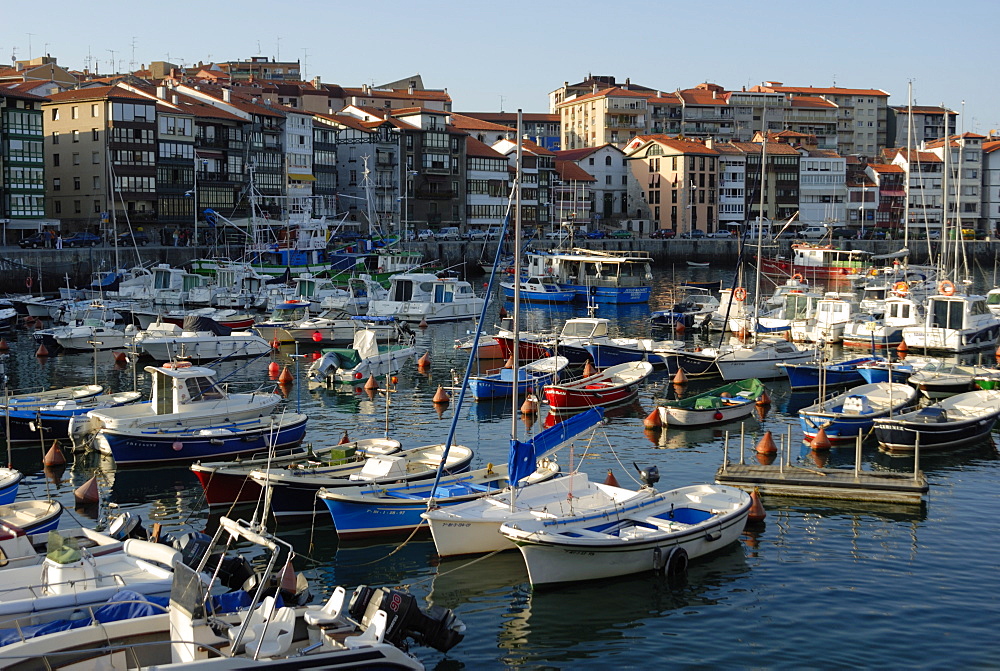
<point x="410" y="174"/>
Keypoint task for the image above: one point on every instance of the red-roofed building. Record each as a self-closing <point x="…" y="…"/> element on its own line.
<point x="612" y="176"/>
<point x="991" y="185"/>
<point x="538" y="167"/>
<point x="889" y="183"/>
<point x="612" y="115"/>
<point x="487" y="188"/>
<point x="543" y="129"/>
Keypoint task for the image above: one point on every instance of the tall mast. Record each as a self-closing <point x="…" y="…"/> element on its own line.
<point x="516" y="331"/>
<point x="760" y="219"/>
<point x="909" y="150"/>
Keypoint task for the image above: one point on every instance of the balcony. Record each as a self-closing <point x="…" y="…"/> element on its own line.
<point x="435" y="194"/>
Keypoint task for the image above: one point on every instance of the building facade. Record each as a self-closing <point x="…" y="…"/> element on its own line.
<point x="22" y="160"/>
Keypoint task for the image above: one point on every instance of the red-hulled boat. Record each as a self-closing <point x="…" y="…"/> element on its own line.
<point x="814" y="262"/>
<point x="610" y="386"/>
<point x="229" y="482"/>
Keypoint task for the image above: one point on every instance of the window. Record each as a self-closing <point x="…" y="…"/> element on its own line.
<point x="77" y="206"/>
<point x="76" y="183"/>
<point x="55" y="159"/>
<point x="58" y="209"/>
<point x="55" y="137"/>
<point x="55" y="114"/>
<point x="74" y="112"/>
<point x="95" y="110"/>
<point x="590" y="161"/>
<point x="607" y="160"/>
<point x="76" y="136"/>
<point x="76" y="158"/>
<point x="97" y="182"/>
<point x="97" y="207"/>
<point x="95" y="157"/>
<point x="94" y="135"/>
<point x="56" y="184"/>
<point x="624" y="180"/>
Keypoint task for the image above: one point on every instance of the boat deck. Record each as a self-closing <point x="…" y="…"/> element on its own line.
<point x="825" y="483"/>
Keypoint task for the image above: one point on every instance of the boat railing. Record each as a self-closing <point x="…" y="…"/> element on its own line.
<point x="44" y="589"/>
<point x="68" y="613"/>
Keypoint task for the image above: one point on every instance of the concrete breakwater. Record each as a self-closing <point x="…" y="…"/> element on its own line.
<point x="53" y="266"/>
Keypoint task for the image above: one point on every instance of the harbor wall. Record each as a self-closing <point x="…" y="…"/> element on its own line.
<point x="54" y="265"/>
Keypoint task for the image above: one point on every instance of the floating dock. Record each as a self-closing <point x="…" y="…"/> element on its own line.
<point x="825" y="483"/>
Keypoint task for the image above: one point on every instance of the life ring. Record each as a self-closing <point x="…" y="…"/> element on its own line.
<point x="901" y="288"/>
<point x="28" y="281"/>
<point x="797" y="277"/>
<point x="947" y="287"/>
<point x="740" y="294"/>
<point x="873" y="272"/>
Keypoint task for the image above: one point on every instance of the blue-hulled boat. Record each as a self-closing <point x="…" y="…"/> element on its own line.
<point x="806" y="375"/>
<point x="879" y="371"/>
<point x="32" y="517"/>
<point x="10" y="482"/>
<point x="627" y="350"/>
<point x="51" y="421"/>
<point x="597" y="277"/>
<point x="854" y="412"/>
<point x="539" y="289"/>
<point x="531" y="376"/>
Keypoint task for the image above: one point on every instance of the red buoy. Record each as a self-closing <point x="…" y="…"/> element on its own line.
<point x="121" y="357"/>
<point x="424" y="361"/>
<point x="766" y="445"/>
<point x="530" y="405"/>
<point x="902" y="348"/>
<point x="317" y="336"/>
<point x="588" y="369"/>
<point x="764" y="399"/>
<point x="441" y="396"/>
<point x="611" y="480"/>
<point x="757" y="512"/>
<point x="371" y="383"/>
<point x="287" y="580"/>
<point x="681" y="377"/>
<point x="3" y="345"/>
<point x="42" y="351"/>
<point x="503" y="312"/>
<point x="273" y="369"/>
<point x="423" y="324"/>
<point x="344" y="440"/>
<point x="820" y="441"/>
<point x="286" y="376"/>
<point x="653" y="420"/>
<point x="55" y="456"/>
<point x="88" y="492"/>
<point x="275" y="344"/>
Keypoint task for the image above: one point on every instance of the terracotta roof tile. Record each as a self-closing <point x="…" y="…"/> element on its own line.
<point x="501" y="117"/>
<point x="615" y="92"/>
<point x="20" y="91"/>
<point x="570" y="171"/>
<point x="677" y="145"/>
<point x="96" y="93"/>
<point x="820" y="91"/>
<point x="991" y="146"/>
<point x="812" y="103"/>
<point x="472" y="123"/>
<point x="885" y="167"/>
<point x="397" y="94"/>
<point x="474" y="147"/>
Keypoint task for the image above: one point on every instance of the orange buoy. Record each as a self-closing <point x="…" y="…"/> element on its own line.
<point x="764" y="399"/>
<point x="820" y="458"/>
<point x="120" y="357"/>
<point x="423" y="324"/>
<point x="611" y="480"/>
<point x="762" y="411"/>
<point x="741" y="334"/>
<point x="679" y="328"/>
<point x="588" y="369"/>
<point x="344" y="440"/>
<point x="821" y="441"/>
<point x="441" y="396"/>
<point x="757" y="512"/>
<point x="54" y="473"/>
<point x="902" y="348"/>
<point x="273" y="369"/>
<point x="681" y="377"/>
<point x="766" y="445"/>
<point x="424" y="361"/>
<point x="42" y="350"/>
<point x="3" y="345"/>
<point x="88" y="492"/>
<point x="503" y="312"/>
<point x="529" y="421"/>
<point x="55" y="456"/>
<point x="766" y="459"/>
<point x="509" y="363"/>
<point x="652" y="420"/>
<point x="286" y="376"/>
<point x="275" y="344"/>
<point x="788" y="336"/>
<point x="997" y="353"/>
<point x="371" y="383"/>
<point x="530" y="405"/>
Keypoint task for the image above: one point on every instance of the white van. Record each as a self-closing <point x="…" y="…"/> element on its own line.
<point x="814" y="232"/>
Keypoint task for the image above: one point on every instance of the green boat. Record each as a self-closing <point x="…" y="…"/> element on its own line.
<point x="722" y="404"/>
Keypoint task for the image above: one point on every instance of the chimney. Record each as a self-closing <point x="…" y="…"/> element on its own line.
<point x="627" y="82"/>
<point x="161" y="92"/>
<point x="709" y="143"/>
<point x="174" y="99"/>
<point x="227" y="95"/>
<point x="316" y="82"/>
<point x="713" y="94"/>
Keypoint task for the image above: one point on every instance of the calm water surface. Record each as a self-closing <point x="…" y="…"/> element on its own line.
<point x="819" y="585"/>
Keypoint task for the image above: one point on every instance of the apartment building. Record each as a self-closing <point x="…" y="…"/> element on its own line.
<point x="780" y="184"/>
<point x="822" y="190"/>
<point x="890" y="185"/>
<point x="963" y="176"/>
<point x="572" y="200"/>
<point x="434" y="158"/>
<point x="261" y="67"/>
<point x="22" y="162"/>
<point x="611" y="174"/>
<point x="678" y="180"/>
<point x="537" y="168"/>
<point x="592" y="84"/>
<point x="543" y="129"/>
<point x="928" y="123"/>
<point x="732" y="185"/>
<point x="991" y="186"/>
<point x="924" y="172"/>
<point x="614" y="115"/>
<point x="487" y="185"/>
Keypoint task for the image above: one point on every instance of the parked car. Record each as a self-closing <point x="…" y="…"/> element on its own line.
<point x="425" y="234"/>
<point x="621" y="235"/>
<point x="722" y="233"/>
<point x="448" y="233"/>
<point x="345" y="236"/>
<point x="33" y="241"/>
<point x="663" y="234"/>
<point x="814" y="232"/>
<point x="844" y="233"/>
<point x="475" y="234"/>
<point x="875" y="234"/>
<point x="494" y="232"/>
<point x="696" y="233"/>
<point x="132" y="239"/>
<point x="82" y="239"/>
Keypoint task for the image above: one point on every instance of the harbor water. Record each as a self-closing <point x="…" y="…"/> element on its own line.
<point x="820" y="584"/>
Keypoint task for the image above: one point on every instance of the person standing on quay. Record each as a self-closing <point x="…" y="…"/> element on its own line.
<point x="177" y="237"/>
<point x="59" y="241"/>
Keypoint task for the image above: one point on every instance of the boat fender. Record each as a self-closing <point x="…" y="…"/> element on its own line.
<point x="153" y="552"/>
<point x="676" y="564"/>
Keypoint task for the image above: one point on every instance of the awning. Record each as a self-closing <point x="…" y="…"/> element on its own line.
<point x="30" y="224"/>
<point x="895" y="255"/>
<point x="301" y="178"/>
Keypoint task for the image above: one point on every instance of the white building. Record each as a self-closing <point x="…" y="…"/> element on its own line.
<point x="991" y="186"/>
<point x="486" y="187"/>
<point x="822" y="190"/>
<point x="609" y="190"/>
<point x="732" y="185"/>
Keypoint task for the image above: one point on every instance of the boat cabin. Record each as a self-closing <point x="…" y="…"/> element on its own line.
<point x="290" y="311"/>
<point x="177" y="383"/>
<point x="956" y="312"/>
<point x="835" y="261"/>
<point x="585" y="327"/>
<point x="427" y="288"/>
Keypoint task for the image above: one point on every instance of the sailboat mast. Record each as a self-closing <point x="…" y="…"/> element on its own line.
<point x="909" y="150"/>
<point x="516" y="331"/>
<point x="760" y="219"/>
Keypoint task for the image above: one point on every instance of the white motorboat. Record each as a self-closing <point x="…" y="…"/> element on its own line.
<point x="200" y="339"/>
<point x="637" y="533"/>
<point x="335" y="327"/>
<point x="954" y="323"/>
<point x="91" y="335"/>
<point x="758" y="360"/>
<point x="365" y="358"/>
<point x="425" y="297"/>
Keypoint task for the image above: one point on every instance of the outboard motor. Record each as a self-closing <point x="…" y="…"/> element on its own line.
<point x="126" y="525"/>
<point x="649" y="476"/>
<point x="436" y="627"/>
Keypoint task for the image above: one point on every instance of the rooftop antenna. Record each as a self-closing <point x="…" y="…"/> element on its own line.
<point x="131" y="63"/>
<point x="305" y="64"/>
<point x="277" y="52"/>
<point x="112" y="60"/>
<point x="13" y="55"/>
<point x="30" y="35"/>
<point x="501" y="104"/>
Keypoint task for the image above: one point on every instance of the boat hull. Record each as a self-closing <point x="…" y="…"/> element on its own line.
<point x="131" y="448"/>
<point x="686" y="417"/>
<point x="900" y="437"/>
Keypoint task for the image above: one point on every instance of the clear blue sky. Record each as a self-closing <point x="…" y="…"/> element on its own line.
<point x="513" y="53"/>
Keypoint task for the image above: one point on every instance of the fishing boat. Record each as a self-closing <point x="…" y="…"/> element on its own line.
<point x="486" y="346"/>
<point x="818" y="262"/>
<point x="953" y="322"/>
<point x="612" y="386"/>
<point x="293" y="490"/>
<point x="473" y="527"/>
<point x="21" y="548"/>
<point x="229" y="318"/>
<point x="425" y="297"/>
<point x="367" y="510"/>
<point x="596" y="276"/>
<point x="47" y="422"/>
<point x="91" y="335"/>
<point x="846" y="416"/>
<point x="884" y="331"/>
<point x="187" y="406"/>
<point x="539" y="289"/>
<point x="196" y="631"/>
<point x="885" y="371"/>
<point x="694" y="310"/>
<point x="938" y="379"/>
<point x="200" y="339"/>
<point x="532" y="376"/>
<point x="365" y="358"/>
<point x="810" y="375"/>
<point x="953" y="422"/>
<point x="634" y="534"/>
<point x="336" y="328"/>
<point x="229" y="482"/>
<point x="722" y="404"/>
<point x="37" y="399"/>
<point x="33" y="516"/>
<point x="10" y="482"/>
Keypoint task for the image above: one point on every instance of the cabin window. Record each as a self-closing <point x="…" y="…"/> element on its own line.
<point x="444" y="293"/>
<point x="164" y="392"/>
<point x="947" y="314"/>
<point x="202" y="389"/>
<point x="402" y="290"/>
<point x="978" y="308"/>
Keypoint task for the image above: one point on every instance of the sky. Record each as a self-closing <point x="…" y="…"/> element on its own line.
<point x="504" y="56"/>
